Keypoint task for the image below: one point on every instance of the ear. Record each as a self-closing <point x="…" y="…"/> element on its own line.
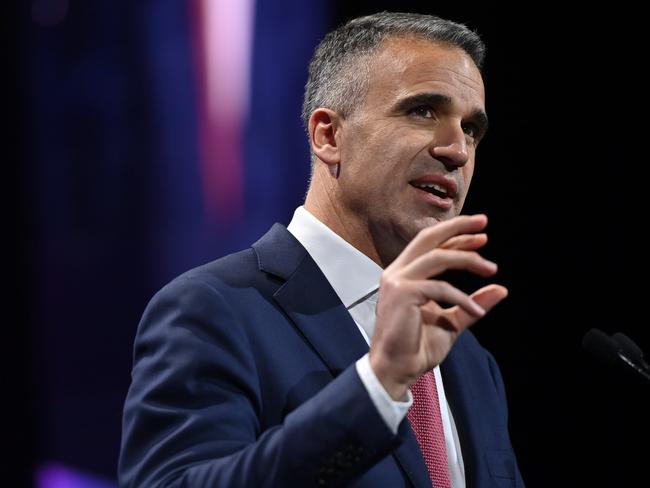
<point x="323" y="126"/>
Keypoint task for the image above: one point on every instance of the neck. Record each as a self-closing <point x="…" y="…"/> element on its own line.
<point x="322" y="202"/>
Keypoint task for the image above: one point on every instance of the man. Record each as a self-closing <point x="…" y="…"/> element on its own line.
<point x="254" y="370"/>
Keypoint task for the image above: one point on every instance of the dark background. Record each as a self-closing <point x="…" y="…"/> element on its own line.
<point x="98" y="218"/>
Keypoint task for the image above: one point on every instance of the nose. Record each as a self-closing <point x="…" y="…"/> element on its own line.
<point x="449" y="145"/>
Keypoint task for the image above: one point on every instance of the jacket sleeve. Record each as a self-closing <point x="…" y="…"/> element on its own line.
<point x="191" y="416"/>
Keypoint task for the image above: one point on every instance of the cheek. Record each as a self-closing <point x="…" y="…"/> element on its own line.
<point x="468" y="171"/>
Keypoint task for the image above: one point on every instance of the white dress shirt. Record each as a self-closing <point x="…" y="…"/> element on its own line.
<point x="355" y="279"/>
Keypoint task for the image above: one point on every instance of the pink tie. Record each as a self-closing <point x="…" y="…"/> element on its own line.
<point x="425" y="419"/>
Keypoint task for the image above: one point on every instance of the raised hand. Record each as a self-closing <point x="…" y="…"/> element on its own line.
<point x="414" y="332"/>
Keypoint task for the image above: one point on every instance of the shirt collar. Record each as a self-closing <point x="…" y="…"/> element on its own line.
<point x="352" y="274"/>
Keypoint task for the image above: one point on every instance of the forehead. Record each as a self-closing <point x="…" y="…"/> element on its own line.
<point x="404" y="67"/>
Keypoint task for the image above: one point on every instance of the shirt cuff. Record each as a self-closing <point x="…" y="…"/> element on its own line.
<point x="393" y="412"/>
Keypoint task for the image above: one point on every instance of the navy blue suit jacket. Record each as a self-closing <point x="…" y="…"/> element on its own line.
<point x="244" y="376"/>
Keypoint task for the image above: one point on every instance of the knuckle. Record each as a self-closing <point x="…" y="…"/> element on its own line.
<point x="441" y="288"/>
<point x="391" y="284"/>
<point x="434" y="253"/>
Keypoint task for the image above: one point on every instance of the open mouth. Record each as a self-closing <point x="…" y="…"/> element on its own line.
<point x="433" y="188"/>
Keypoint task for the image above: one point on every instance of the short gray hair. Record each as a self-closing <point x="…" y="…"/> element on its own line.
<point x="337" y="80"/>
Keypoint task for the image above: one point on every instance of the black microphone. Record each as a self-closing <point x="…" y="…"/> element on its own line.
<point x="631" y="350"/>
<point x="619" y="350"/>
<point x="601" y="346"/>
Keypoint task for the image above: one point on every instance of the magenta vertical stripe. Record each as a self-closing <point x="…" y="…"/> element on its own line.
<point x="223" y="33"/>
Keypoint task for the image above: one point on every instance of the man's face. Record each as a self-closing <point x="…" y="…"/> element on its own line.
<point x="407" y="153"/>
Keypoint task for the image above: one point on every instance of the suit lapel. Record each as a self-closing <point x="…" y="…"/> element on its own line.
<point x="310" y="301"/>
<point x="312" y="304"/>
<point x="410" y="457"/>
<point x="323" y="320"/>
<point x="459" y="396"/>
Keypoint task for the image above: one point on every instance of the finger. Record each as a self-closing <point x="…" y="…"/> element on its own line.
<point x="487" y="297"/>
<point x="441" y="291"/>
<point x="439" y="260"/>
<point x="465" y="242"/>
<point x="433" y="236"/>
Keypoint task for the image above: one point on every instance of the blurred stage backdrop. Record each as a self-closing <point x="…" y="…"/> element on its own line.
<point x="152" y="136"/>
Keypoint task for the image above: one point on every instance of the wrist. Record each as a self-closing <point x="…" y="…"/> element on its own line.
<point x="395" y="386"/>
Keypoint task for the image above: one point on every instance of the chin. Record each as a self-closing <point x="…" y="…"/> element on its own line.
<point x="417" y="225"/>
<point x="432" y="220"/>
<point x="411" y="228"/>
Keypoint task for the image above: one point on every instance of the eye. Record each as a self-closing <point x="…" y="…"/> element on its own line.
<point x="422" y="111"/>
<point x="471" y="130"/>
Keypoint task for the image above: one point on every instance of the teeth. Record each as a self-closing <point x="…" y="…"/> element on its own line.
<point x="439" y="188"/>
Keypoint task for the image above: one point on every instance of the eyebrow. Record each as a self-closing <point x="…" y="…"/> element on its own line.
<point x="478" y="117"/>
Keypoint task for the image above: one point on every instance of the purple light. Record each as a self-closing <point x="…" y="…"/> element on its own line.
<point x="59" y="476"/>
<point x="227" y="39"/>
<point x="224" y="38"/>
